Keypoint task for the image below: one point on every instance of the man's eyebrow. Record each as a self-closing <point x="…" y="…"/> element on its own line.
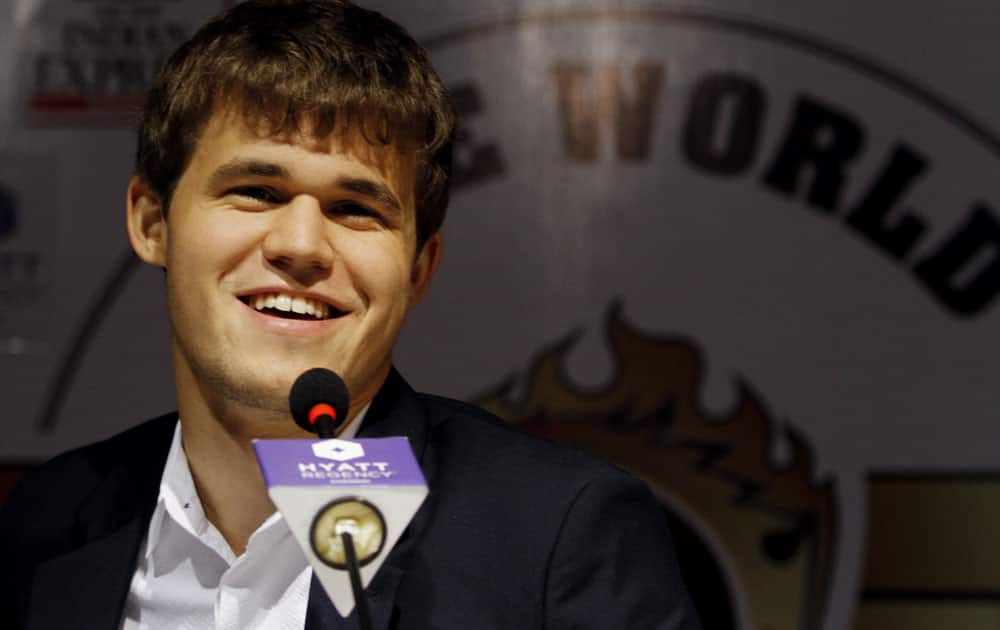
<point x="377" y="192"/>
<point x="239" y="168"/>
<point x="235" y="169"/>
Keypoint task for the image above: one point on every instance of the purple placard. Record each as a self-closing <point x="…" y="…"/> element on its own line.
<point x="382" y="461"/>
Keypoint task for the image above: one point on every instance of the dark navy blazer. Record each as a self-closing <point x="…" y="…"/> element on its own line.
<point x="516" y="532"/>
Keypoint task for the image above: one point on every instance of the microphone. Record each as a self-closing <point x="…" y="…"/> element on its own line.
<point x="319" y="401"/>
<point x="346" y="501"/>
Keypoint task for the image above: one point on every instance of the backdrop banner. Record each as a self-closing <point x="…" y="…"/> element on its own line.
<point x="91" y="61"/>
<point x="731" y="249"/>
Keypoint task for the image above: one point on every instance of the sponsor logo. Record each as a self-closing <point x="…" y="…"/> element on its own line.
<point x="347" y="469"/>
<point x="338" y="450"/>
<point x="28" y="249"/>
<point x="346" y="472"/>
<point x="99" y="57"/>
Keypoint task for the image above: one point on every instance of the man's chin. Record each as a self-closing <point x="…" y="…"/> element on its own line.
<point x="249" y="394"/>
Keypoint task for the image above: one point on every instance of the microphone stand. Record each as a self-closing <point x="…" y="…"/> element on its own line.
<point x="354" y="571"/>
<point x="326" y="427"/>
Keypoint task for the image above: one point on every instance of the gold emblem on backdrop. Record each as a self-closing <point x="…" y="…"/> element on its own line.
<point x="770" y="526"/>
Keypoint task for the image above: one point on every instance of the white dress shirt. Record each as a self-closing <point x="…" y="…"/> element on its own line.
<point x="188" y="578"/>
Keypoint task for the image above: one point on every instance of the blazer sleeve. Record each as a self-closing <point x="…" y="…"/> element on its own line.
<point x="613" y="565"/>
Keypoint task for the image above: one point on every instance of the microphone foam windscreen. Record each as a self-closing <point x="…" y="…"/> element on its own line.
<point x="314" y="387"/>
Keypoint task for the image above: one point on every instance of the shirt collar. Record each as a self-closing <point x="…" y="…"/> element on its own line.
<point x="355" y="424"/>
<point x="178" y="498"/>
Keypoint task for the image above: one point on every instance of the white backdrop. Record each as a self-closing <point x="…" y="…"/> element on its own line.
<point x="767" y="282"/>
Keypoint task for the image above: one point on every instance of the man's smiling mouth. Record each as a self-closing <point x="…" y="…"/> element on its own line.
<point x="290" y="307"/>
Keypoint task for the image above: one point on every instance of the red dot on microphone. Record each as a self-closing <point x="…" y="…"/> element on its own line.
<point x="321" y="409"/>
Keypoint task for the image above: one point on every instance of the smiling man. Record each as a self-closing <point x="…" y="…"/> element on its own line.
<point x="291" y="180"/>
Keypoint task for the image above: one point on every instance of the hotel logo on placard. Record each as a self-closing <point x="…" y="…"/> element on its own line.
<point x="338" y="450"/>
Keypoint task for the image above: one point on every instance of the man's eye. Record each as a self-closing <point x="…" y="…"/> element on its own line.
<point x="353" y="211"/>
<point x="257" y="193"/>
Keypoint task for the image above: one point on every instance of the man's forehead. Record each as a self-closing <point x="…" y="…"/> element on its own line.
<point x="348" y="136"/>
<point x="341" y="127"/>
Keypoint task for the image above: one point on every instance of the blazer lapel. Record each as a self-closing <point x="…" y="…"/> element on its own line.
<point x="396" y="411"/>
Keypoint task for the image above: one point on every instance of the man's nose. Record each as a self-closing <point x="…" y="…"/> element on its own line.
<point x="297" y="242"/>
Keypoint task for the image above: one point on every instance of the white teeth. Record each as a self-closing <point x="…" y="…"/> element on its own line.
<point x="289" y="304"/>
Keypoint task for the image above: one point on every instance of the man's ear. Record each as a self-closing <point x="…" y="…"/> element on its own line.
<point x="424" y="268"/>
<point x="147" y="226"/>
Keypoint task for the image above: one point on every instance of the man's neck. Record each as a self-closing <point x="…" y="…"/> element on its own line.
<point x="224" y="467"/>
<point x="228" y="480"/>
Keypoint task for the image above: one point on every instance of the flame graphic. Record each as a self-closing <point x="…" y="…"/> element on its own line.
<point x="776" y="522"/>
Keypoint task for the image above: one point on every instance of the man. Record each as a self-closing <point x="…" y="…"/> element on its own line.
<point x="291" y="180"/>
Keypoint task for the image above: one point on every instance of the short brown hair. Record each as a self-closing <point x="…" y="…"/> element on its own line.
<point x="281" y="62"/>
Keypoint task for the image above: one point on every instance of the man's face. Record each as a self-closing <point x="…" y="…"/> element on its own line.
<point x="283" y="254"/>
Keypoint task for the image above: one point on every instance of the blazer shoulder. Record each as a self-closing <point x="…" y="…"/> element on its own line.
<point x="48" y="497"/>
<point x="476" y="435"/>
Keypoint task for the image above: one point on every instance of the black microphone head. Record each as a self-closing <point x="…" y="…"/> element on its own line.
<point x="318" y="386"/>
